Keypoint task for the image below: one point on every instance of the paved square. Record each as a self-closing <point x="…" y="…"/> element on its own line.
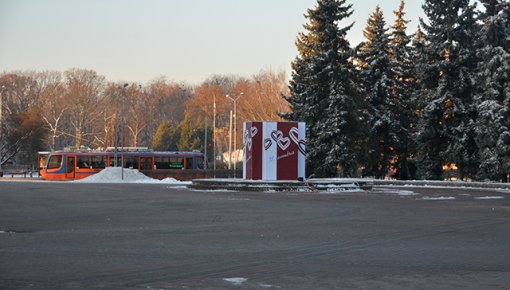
<point x="90" y="236"/>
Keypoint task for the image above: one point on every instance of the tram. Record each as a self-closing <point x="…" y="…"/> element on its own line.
<point x="78" y="164"/>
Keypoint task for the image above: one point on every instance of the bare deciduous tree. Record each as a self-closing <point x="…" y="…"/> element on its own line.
<point x="84" y="90"/>
<point x="53" y="105"/>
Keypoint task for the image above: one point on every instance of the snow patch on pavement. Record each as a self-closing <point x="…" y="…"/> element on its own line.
<point x="490" y="197"/>
<point x="214" y="190"/>
<point x="339" y="190"/>
<point x="437" y="198"/>
<point x="390" y="190"/>
<point x="406" y="193"/>
<point x="235" y="280"/>
<point x="184" y="187"/>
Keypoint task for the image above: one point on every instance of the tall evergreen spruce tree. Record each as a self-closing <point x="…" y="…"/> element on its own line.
<point x="404" y="80"/>
<point x="418" y="101"/>
<point x="322" y="91"/>
<point x="445" y="131"/>
<point x="419" y="62"/>
<point x="493" y="96"/>
<point x="378" y="84"/>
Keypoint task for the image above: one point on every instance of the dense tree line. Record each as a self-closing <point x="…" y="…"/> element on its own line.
<point x="420" y="105"/>
<point x="401" y="105"/>
<point x="79" y="108"/>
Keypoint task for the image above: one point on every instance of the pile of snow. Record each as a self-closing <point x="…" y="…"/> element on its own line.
<point x="114" y="175"/>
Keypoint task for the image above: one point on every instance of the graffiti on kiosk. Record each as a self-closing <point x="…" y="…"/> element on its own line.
<point x="284" y="142"/>
<point x="288" y="154"/>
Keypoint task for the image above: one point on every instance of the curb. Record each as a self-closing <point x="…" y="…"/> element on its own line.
<point x="271" y="186"/>
<point x="336" y="184"/>
<point x="432" y="183"/>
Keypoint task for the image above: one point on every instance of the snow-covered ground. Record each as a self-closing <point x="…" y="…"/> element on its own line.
<point x="114" y="175"/>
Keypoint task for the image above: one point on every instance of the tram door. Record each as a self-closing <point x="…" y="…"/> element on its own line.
<point x="70" y="167"/>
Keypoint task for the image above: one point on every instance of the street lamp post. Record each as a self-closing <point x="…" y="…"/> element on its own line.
<point x="214" y="134"/>
<point x="205" y="145"/>
<point x="235" y="129"/>
<point x="230" y="144"/>
<point x="1" y="110"/>
<point x="116" y="141"/>
<point x="1" y="124"/>
<point x="123" y="134"/>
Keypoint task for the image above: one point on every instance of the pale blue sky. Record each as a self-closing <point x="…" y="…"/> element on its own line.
<point x="184" y="40"/>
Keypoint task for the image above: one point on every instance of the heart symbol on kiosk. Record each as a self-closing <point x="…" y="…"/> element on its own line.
<point x="276" y="135"/>
<point x="283" y="142"/>
<point x="302" y="146"/>
<point x="294" y="135"/>
<point x="254" y="131"/>
<point x="247" y="140"/>
<point x="267" y="143"/>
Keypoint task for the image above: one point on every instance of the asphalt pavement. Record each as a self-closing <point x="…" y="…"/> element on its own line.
<point x="134" y="236"/>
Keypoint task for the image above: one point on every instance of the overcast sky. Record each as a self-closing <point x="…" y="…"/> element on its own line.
<point x="184" y="40"/>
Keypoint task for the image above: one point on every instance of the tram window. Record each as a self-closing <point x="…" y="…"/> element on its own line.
<point x="97" y="161"/>
<point x="176" y="162"/>
<point x="83" y="162"/>
<point x="90" y="162"/>
<point x="200" y="163"/>
<point x="145" y="163"/>
<point x="189" y="163"/>
<point x="42" y="160"/>
<point x="112" y="161"/>
<point x="55" y="162"/>
<point x="161" y="162"/>
<point x="130" y="162"/>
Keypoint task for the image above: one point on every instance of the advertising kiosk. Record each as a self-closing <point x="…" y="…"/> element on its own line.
<point x="274" y="150"/>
